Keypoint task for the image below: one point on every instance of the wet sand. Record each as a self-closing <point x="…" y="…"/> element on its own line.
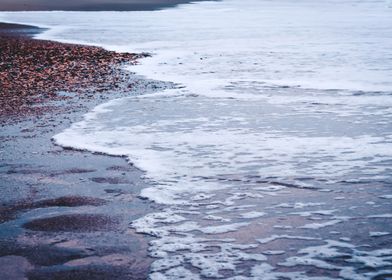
<point x="88" y="5"/>
<point x="65" y="214"/>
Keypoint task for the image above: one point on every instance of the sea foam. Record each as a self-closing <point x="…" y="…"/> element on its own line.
<point x="277" y="105"/>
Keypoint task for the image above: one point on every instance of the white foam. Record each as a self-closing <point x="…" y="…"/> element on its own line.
<point x="266" y="272"/>
<point x="282" y="227"/>
<point x="378" y="233"/>
<point x="311" y="57"/>
<point x="253" y="214"/>
<point x="248" y="128"/>
<point x="285" y="236"/>
<point x="316" y="212"/>
<point x="300" y="205"/>
<point x="274" y="252"/>
<point x="387" y="196"/>
<point x="318" y="256"/>
<point x="387" y="215"/>
<point x="321" y="225"/>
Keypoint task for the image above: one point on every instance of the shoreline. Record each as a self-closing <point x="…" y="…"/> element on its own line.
<point x="66" y="213"/>
<point x="33" y="71"/>
<point x="248" y="179"/>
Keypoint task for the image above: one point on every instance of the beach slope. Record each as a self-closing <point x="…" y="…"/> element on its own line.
<point x="64" y="214"/>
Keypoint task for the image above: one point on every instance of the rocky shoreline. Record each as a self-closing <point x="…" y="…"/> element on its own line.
<point x="32" y="72"/>
<point x="65" y="214"/>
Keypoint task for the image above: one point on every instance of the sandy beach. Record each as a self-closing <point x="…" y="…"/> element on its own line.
<point x="64" y="214"/>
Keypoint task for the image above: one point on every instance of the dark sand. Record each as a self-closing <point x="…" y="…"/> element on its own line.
<point x="65" y="214"/>
<point x="88" y="5"/>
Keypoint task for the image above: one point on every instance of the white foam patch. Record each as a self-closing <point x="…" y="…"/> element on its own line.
<point x="266" y="272"/>
<point x="321" y="225"/>
<point x="316" y="212"/>
<point x="285" y="236"/>
<point x="378" y="233"/>
<point x="222" y="145"/>
<point x="345" y="239"/>
<point x="299" y="205"/>
<point x="387" y="196"/>
<point x="253" y="214"/>
<point x="387" y="215"/>
<point x="274" y="252"/>
<point x="319" y="256"/>
<point x="282" y="227"/>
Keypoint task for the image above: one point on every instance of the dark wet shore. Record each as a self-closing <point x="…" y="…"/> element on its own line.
<point x="65" y="214"/>
<point x="32" y="72"/>
<point x="89" y="5"/>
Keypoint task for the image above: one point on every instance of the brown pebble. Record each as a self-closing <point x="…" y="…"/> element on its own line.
<point x="33" y="71"/>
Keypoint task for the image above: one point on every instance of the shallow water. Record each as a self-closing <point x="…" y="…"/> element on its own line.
<point x="271" y="158"/>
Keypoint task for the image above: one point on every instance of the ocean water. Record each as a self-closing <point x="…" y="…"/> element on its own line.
<point x="271" y="157"/>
